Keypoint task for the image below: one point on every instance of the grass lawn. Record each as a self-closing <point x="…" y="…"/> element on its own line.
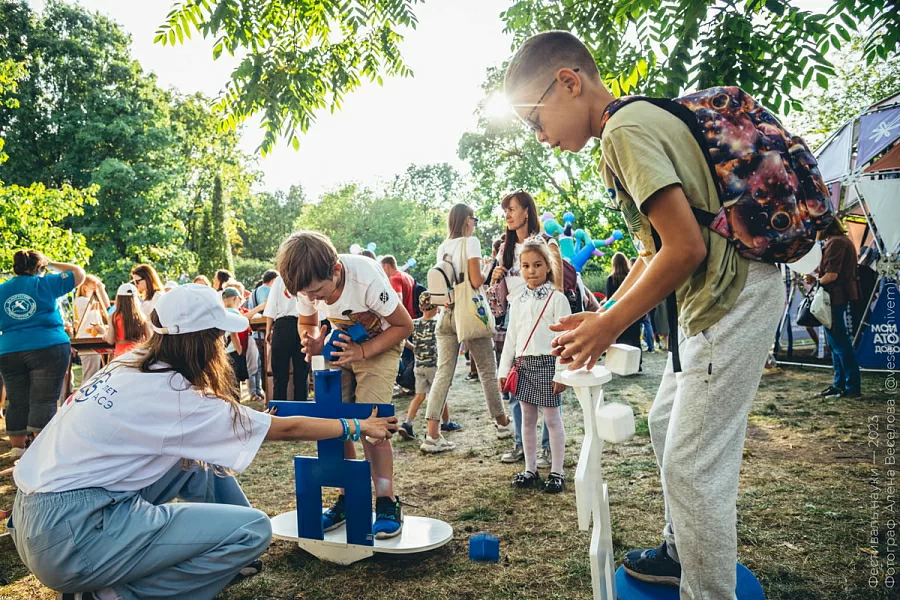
<point x="804" y="512"/>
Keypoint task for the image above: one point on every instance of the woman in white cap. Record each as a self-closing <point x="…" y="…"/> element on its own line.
<point x="90" y="518"/>
<point x="128" y="326"/>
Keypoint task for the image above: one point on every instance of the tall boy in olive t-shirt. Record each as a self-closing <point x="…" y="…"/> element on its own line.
<point x="728" y="307"/>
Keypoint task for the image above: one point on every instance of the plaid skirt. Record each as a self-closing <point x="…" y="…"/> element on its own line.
<point x="535" y="385"/>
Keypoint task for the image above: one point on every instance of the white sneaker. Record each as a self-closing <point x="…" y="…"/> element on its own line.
<point x="543" y="460"/>
<point x="433" y="446"/>
<point x="505" y="431"/>
<point x="17" y="452"/>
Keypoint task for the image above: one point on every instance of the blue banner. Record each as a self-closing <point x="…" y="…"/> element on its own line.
<point x="879" y="345"/>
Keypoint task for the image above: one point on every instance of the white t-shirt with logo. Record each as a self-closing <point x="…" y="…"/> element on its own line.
<point x="367" y="297"/>
<point x="280" y="303"/>
<point x="123" y="430"/>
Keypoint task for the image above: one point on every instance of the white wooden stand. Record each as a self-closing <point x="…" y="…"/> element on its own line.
<point x="602" y="423"/>
<point x="419" y="534"/>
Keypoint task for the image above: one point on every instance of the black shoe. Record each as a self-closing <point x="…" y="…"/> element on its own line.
<point x="335" y="516"/>
<point x="653" y="566"/>
<point x="471" y="377"/>
<point x="829" y="391"/>
<point x="75" y="596"/>
<point x="406" y="431"/>
<point x="555" y="483"/>
<point x="525" y="479"/>
<point x="247" y="572"/>
<point x="835" y="393"/>
<point x="849" y="394"/>
<point x="388" y="517"/>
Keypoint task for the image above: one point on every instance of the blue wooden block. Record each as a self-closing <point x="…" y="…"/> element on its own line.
<point x="629" y="588"/>
<point x="484" y="547"/>
<point x="330" y="469"/>
<point x="357" y="332"/>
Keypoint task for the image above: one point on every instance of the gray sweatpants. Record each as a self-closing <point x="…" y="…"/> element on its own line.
<point x="698" y="422"/>
<point x="135" y="543"/>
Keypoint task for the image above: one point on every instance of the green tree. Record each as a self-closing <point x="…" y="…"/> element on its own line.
<point x="30" y="216"/>
<point x="267" y="219"/>
<point x="856" y="86"/>
<point x="769" y="48"/>
<point x="208" y="263"/>
<point x="218" y="242"/>
<point x="399" y="226"/>
<point x="299" y="57"/>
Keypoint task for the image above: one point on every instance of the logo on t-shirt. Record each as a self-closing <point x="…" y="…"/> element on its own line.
<point x="384" y="297"/>
<point x="20" y="306"/>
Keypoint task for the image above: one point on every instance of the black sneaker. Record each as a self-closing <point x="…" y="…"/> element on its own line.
<point x="829" y="391"/>
<point x="555" y="483"/>
<point x="335" y="516"/>
<point x="835" y="393"/>
<point x="388" y="517"/>
<point x="526" y="479"/>
<point x="653" y="566"/>
<point x="849" y="394"/>
<point x="471" y="377"/>
<point x="406" y="431"/>
<point x="247" y="572"/>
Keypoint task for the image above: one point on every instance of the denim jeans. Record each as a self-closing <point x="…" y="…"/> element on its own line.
<point x="846" y="369"/>
<point x="33" y="379"/>
<point x="647" y="328"/>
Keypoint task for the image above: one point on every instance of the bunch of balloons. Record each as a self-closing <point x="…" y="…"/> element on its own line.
<point x="576" y="245"/>
<point x="356" y="248"/>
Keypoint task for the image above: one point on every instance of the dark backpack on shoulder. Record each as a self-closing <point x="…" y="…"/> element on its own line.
<point x="773" y="197"/>
<point x="418" y="288"/>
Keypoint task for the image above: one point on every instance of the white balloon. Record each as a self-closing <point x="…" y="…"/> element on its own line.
<point x="355" y="249"/>
<point x="809" y="262"/>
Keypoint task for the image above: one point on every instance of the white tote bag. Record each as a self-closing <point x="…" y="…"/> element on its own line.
<point x="821" y="307"/>
<point x="471" y="312"/>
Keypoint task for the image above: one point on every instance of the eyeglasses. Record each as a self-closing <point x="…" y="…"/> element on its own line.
<point x="537" y="127"/>
<point x="475" y="219"/>
<point x="136" y="281"/>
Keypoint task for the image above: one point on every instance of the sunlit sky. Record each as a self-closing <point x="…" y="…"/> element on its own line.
<point x="381" y="130"/>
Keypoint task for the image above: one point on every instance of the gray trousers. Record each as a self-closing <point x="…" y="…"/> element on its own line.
<point x="89" y="539"/>
<point x="481" y="351"/>
<point x="698" y="423"/>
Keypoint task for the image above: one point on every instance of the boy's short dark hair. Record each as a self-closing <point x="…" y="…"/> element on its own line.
<point x="368" y="253"/>
<point x="305" y="257"/>
<point x="389" y="259"/>
<point x="270" y="275"/>
<point x="542" y="55"/>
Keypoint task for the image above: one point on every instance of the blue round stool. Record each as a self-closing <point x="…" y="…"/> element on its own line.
<point x="629" y="588"/>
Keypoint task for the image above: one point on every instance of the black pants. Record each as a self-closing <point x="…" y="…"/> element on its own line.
<point x="33" y="379"/>
<point x="286" y="350"/>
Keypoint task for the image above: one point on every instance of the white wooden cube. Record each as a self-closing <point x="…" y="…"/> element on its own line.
<point x="623" y="359"/>
<point x="615" y="422"/>
<point x="318" y="363"/>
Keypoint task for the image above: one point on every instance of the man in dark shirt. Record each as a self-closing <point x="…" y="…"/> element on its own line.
<point x="838" y="275"/>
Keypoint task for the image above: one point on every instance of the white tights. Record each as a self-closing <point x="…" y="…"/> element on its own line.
<point x="553" y="421"/>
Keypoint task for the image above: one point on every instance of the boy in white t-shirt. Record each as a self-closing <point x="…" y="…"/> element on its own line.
<point x="349" y="289"/>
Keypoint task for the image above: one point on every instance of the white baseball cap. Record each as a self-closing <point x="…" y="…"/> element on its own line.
<point x="193" y="307"/>
<point x="127" y="289"/>
<point x="170" y="285"/>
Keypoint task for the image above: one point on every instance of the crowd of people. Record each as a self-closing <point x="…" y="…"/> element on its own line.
<point x="165" y="418"/>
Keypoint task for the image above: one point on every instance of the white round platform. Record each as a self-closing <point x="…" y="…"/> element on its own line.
<point x="419" y="534"/>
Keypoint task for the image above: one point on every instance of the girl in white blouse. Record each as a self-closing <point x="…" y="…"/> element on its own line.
<point x="528" y="344"/>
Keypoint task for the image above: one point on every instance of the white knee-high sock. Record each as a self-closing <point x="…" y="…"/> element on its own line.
<point x="529" y="435"/>
<point x="553" y="420"/>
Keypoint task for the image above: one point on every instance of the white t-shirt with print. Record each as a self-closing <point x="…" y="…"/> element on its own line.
<point x="367" y="297"/>
<point x="454" y="248"/>
<point x="280" y="302"/>
<point x="123" y="430"/>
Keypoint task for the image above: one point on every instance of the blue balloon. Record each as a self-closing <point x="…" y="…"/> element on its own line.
<point x="617" y="235"/>
<point x="568" y="217"/>
<point x="371" y="246"/>
<point x="411" y="262"/>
